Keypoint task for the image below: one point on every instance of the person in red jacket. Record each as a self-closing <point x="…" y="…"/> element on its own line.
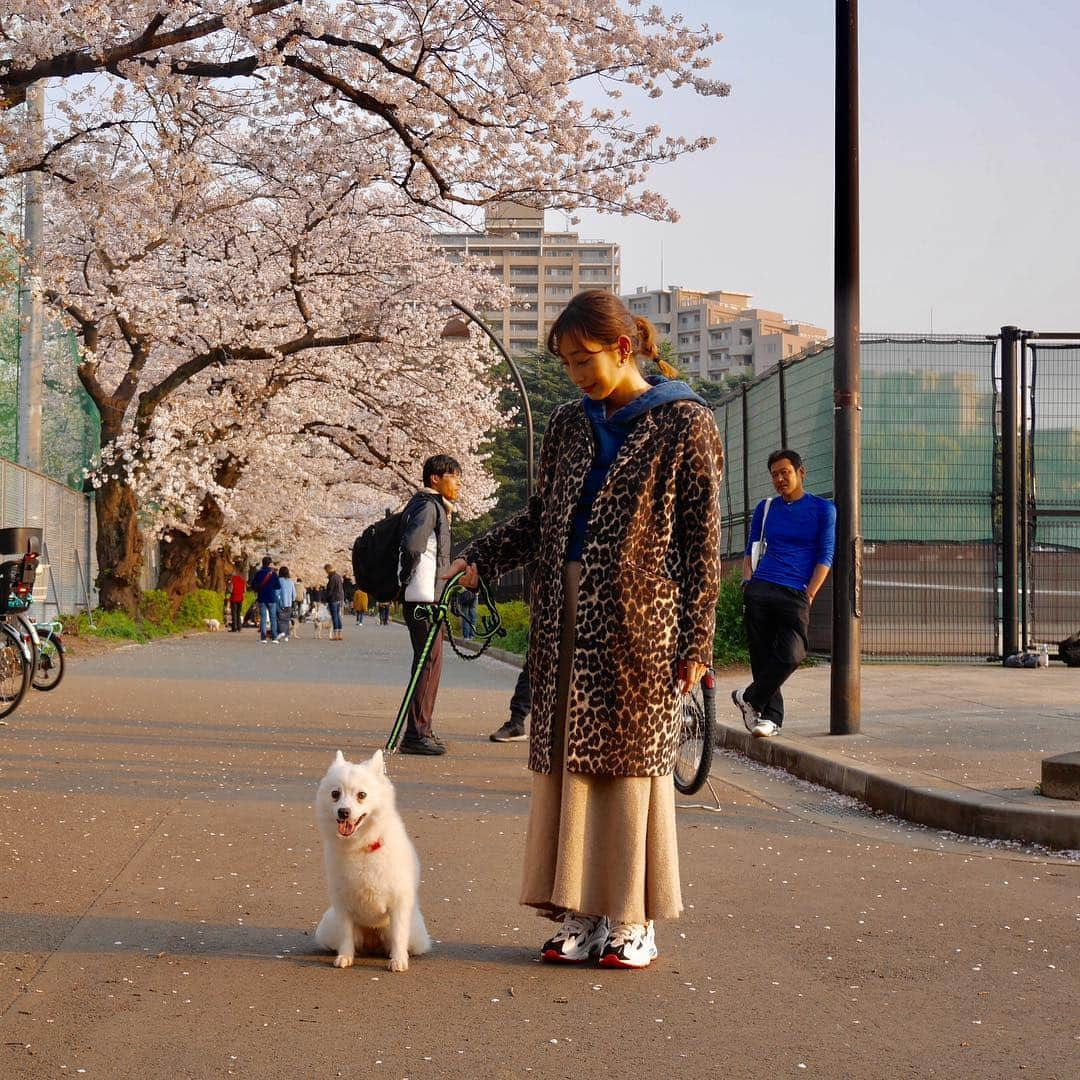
<point x="235" y="593"/>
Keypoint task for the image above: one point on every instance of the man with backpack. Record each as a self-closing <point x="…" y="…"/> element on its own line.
<point x="266" y="584"/>
<point x="424" y="559"/>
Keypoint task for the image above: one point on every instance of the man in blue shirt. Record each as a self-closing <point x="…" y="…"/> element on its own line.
<point x="799" y="534"/>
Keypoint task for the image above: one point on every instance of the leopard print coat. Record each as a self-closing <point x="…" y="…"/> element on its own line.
<point x="650" y="575"/>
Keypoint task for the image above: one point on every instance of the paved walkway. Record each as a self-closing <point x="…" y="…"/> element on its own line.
<point x="160" y="877"/>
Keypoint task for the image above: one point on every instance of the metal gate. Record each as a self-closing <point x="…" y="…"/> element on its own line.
<point x="1039" y="462"/>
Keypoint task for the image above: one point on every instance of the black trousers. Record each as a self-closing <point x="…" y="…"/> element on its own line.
<point x="418" y="718"/>
<point x="776" y="620"/>
<point x="235" y="608"/>
<point x="521" y="702"/>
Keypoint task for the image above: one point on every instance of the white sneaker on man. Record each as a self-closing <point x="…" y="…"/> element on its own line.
<point x="750" y="716"/>
<point x="764" y="729"/>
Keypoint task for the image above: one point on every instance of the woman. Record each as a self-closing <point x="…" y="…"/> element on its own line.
<point x="624" y="529"/>
<point x="286" y="600"/>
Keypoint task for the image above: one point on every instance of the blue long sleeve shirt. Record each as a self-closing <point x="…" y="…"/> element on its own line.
<point x="798" y="536"/>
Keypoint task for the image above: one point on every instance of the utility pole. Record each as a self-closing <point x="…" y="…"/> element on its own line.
<point x="31" y="353"/>
<point x="846" y="674"/>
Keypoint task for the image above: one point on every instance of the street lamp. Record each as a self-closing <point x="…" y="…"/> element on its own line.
<point x="455" y="328"/>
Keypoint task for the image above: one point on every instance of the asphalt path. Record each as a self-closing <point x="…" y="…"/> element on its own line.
<point x="160" y="879"/>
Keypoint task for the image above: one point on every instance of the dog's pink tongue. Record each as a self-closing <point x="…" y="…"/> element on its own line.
<point x="346" y="828"/>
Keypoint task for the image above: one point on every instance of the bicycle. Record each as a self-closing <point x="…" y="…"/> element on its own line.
<point x="694" y="756"/>
<point x="18" y="657"/>
<point x="47" y="651"/>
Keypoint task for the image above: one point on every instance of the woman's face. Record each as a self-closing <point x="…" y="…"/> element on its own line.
<point x="597" y="369"/>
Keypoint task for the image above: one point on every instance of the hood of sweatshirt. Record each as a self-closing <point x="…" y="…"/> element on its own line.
<point x="660" y="392"/>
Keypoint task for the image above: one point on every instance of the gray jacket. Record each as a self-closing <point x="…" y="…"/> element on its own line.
<point x="423" y="514"/>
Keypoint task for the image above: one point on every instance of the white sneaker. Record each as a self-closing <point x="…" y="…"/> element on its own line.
<point x="630" y="945"/>
<point x="579" y="937"/>
<point x="763" y="729"/>
<point x="282" y="637"/>
<point x="750" y="715"/>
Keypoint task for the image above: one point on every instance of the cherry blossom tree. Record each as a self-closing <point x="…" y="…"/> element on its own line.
<point x="240" y="197"/>
<point x="456" y="102"/>
<point x="251" y="272"/>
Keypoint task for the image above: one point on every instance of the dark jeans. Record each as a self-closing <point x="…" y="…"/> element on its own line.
<point x="235" y="610"/>
<point x="521" y="702"/>
<point x="418" y="718"/>
<point x="776" y="620"/>
<point x="335" y="614"/>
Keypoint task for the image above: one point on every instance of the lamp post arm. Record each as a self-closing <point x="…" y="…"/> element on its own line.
<point x="519" y="383"/>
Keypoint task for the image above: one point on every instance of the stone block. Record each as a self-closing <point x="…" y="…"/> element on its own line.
<point x="1061" y="776"/>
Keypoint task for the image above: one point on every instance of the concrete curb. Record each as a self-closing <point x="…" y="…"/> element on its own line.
<point x="922" y="799"/>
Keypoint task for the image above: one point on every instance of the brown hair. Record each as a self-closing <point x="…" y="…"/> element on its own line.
<point x="603" y="317"/>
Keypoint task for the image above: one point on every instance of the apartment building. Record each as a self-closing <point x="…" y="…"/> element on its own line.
<point x="717" y="333"/>
<point x="543" y="269"/>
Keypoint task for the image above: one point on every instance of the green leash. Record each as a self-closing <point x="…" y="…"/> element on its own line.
<point x="488" y="627"/>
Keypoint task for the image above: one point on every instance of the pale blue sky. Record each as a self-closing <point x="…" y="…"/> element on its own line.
<point x="970" y="165"/>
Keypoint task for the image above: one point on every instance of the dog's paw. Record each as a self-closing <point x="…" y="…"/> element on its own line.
<point x="398" y="963"/>
<point x="343" y="961"/>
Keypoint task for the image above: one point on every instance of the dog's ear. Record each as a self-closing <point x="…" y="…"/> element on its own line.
<point x="376" y="758"/>
<point x="339" y="759"/>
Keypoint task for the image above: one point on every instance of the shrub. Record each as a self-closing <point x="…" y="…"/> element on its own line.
<point x="197" y="606"/>
<point x="154" y="607"/>
<point x="515" y="620"/>
<point x="729" y="644"/>
<point x="108" y="624"/>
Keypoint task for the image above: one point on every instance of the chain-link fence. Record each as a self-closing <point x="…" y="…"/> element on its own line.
<point x="931" y="517"/>
<point x="69" y="565"/>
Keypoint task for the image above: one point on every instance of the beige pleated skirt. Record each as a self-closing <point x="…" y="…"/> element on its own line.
<point x="600" y="845"/>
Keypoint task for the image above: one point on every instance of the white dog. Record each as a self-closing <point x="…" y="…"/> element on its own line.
<point x="212" y="625"/>
<point x="372" y="872"/>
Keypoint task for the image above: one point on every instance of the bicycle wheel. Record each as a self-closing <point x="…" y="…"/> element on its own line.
<point x="49" y="669"/>
<point x="15" y="669"/>
<point x="695" y="754"/>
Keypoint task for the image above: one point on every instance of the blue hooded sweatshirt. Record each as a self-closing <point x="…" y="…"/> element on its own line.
<point x="610" y="433"/>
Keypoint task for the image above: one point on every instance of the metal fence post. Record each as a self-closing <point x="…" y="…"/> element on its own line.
<point x="745" y="468"/>
<point x="1010" y="491"/>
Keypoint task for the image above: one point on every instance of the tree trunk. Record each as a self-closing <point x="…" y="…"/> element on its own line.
<point x="216" y="571"/>
<point x="119" y="547"/>
<point x="183" y="556"/>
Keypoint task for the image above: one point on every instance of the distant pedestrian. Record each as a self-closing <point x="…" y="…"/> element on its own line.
<point x="235" y="593"/>
<point x="384" y="614"/>
<point x="335" y="597"/>
<point x="265" y="584"/>
<point x="425" y="556"/>
<point x="796" y="534"/>
<point x="286" y="600"/>
<point x="467" y="605"/>
<point x="359" y="605"/>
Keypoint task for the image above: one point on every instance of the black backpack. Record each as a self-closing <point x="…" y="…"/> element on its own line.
<point x="375" y="556"/>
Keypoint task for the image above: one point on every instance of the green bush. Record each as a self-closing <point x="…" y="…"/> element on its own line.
<point x="110" y="624"/>
<point x="197" y="606"/>
<point x="154" y="607"/>
<point x="729" y="644"/>
<point x="515" y="620"/>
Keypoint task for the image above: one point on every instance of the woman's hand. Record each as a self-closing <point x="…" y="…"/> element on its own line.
<point x="690" y="672"/>
<point x="470" y="578"/>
